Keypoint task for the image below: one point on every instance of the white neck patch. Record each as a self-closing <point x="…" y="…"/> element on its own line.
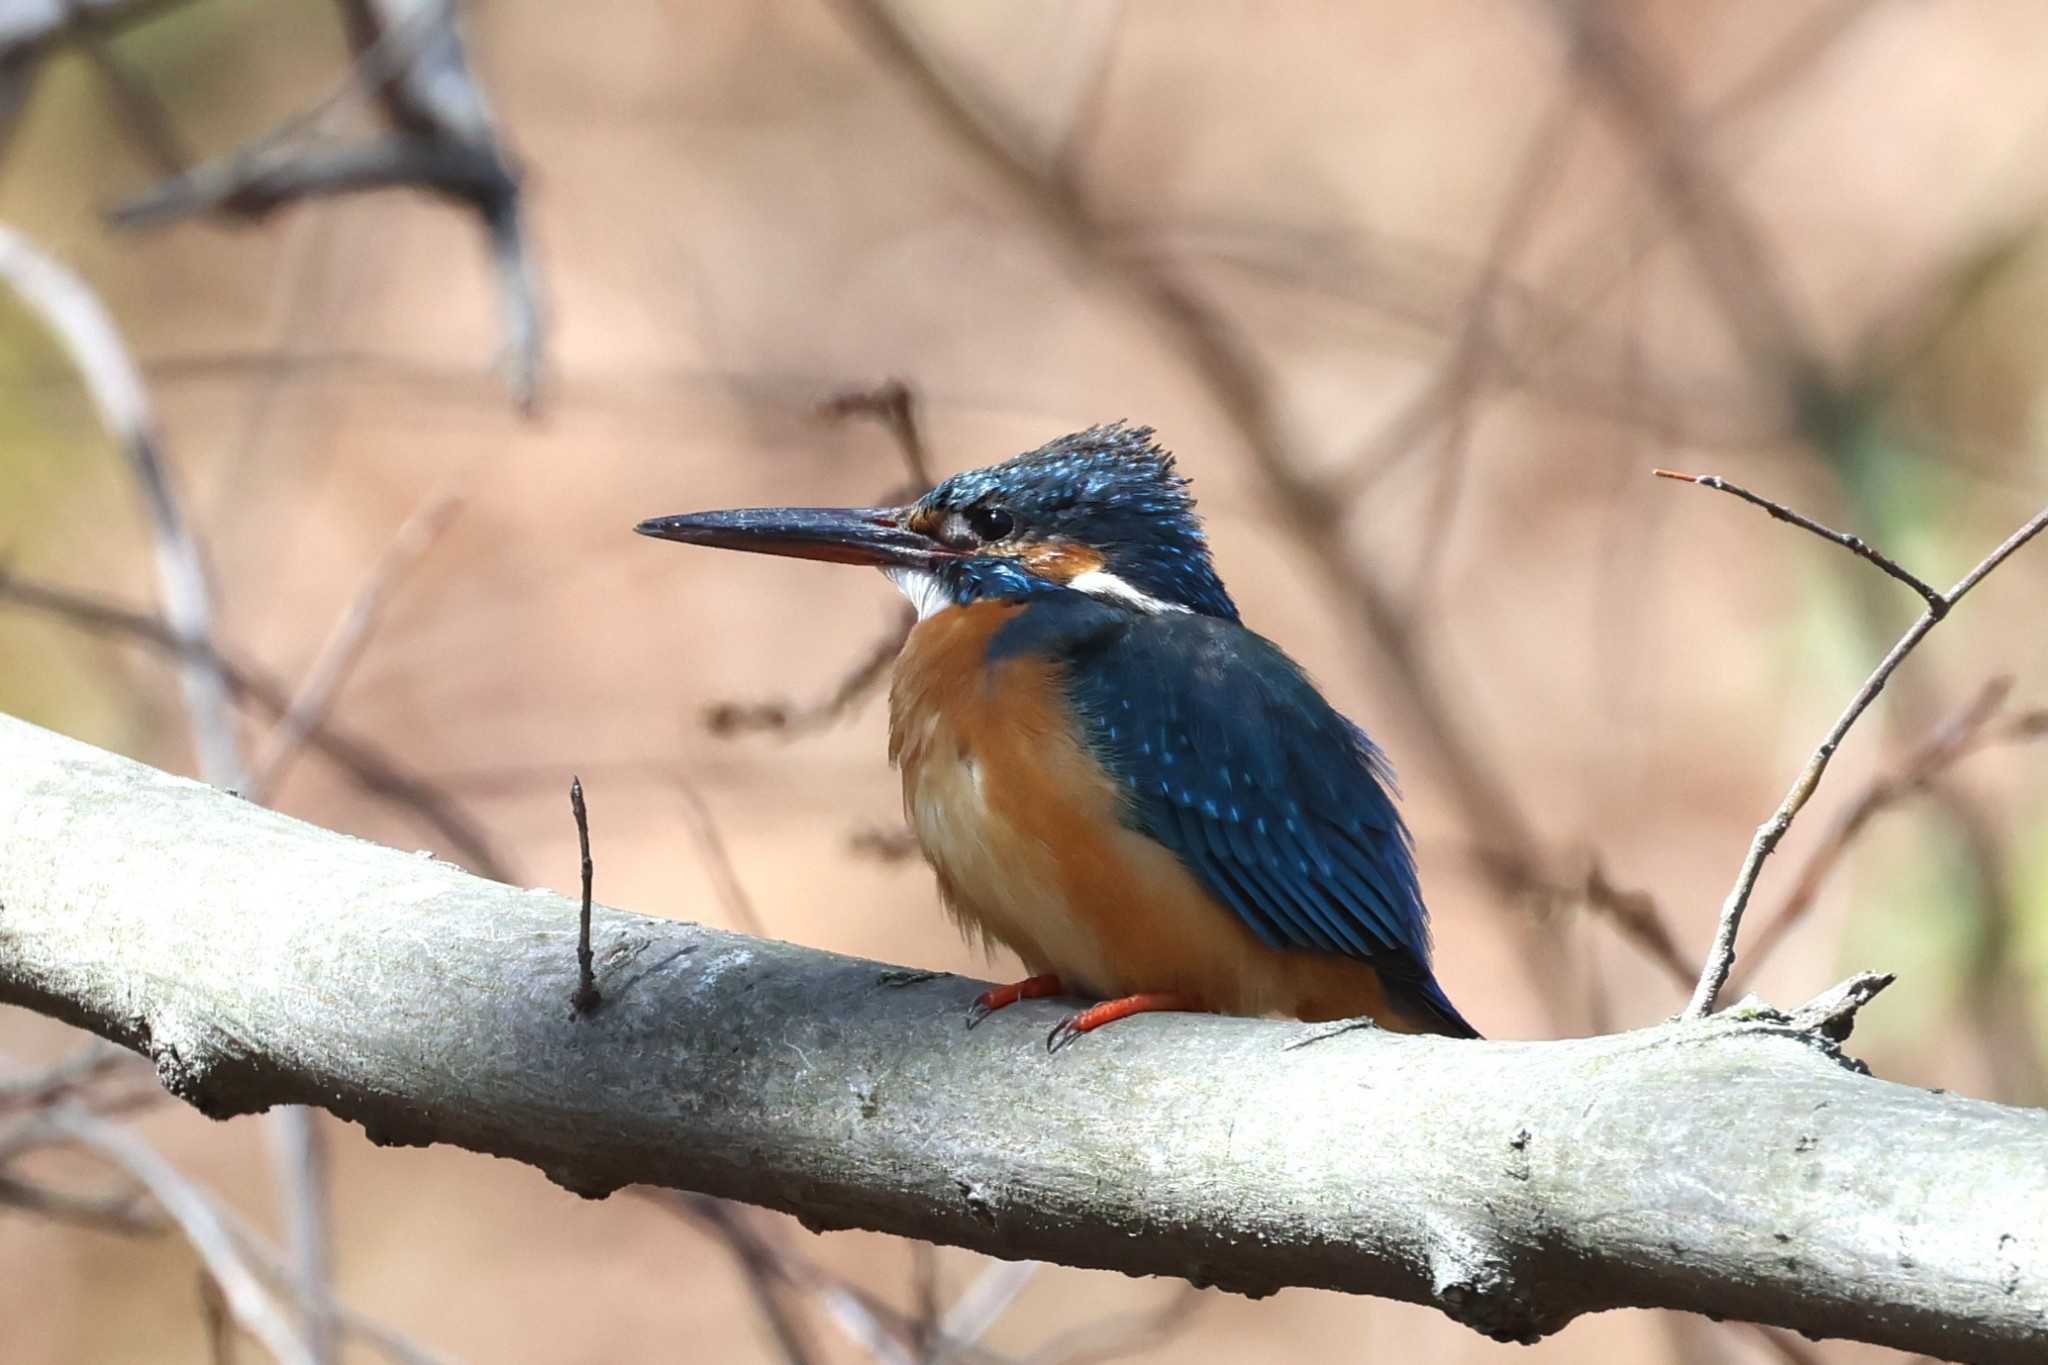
<point x="1104" y="584"/>
<point x="925" y="591"/>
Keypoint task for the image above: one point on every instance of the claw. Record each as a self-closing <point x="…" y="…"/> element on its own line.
<point x="1109" y="1011"/>
<point x="1001" y="997"/>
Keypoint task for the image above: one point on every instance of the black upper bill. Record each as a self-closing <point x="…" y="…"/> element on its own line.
<point x="842" y="535"/>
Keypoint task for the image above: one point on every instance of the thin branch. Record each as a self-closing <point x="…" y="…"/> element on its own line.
<point x="343" y="648"/>
<point x="1854" y="544"/>
<point x="1721" y="956"/>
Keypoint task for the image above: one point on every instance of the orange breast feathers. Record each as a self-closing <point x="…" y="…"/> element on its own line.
<point x="1025" y="831"/>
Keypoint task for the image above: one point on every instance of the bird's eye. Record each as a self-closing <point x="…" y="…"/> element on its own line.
<point x="990" y="523"/>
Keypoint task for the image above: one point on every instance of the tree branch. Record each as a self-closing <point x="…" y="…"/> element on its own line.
<point x="1737" y="1166"/>
<point x="1721" y="956"/>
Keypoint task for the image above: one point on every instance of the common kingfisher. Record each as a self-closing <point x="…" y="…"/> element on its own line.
<point x="1110" y="775"/>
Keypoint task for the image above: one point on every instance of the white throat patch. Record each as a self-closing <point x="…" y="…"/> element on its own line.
<point x="925" y="591"/>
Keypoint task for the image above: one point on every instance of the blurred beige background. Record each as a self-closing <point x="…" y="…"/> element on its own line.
<point x="741" y="210"/>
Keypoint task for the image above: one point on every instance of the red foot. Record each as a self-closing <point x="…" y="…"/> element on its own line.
<point x="1000" y="997"/>
<point x="1109" y="1011"/>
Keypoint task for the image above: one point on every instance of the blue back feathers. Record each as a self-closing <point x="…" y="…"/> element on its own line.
<point x="1232" y="759"/>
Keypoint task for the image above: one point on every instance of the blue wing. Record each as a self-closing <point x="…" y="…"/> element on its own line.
<point x="1280" y="806"/>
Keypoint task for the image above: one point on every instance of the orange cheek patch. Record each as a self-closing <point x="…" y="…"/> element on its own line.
<point x="1059" y="561"/>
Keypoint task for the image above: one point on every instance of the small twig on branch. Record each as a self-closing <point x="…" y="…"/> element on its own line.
<point x="1721" y="956"/>
<point x="1967" y="732"/>
<point x="586" y="997"/>
<point x="1856" y="545"/>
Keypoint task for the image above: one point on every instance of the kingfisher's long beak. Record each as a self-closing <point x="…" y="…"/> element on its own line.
<point x="877" y="536"/>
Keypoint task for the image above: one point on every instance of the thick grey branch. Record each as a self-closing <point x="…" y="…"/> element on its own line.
<point x="1737" y="1166"/>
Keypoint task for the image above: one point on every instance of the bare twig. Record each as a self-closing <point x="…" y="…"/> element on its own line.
<point x="586" y="997"/>
<point x="343" y="648"/>
<point x="1721" y="957"/>
<point x="366" y="763"/>
<point x="1967" y="732"/>
<point x="1854" y="544"/>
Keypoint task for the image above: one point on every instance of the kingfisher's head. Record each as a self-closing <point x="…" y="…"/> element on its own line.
<point x="1100" y="512"/>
